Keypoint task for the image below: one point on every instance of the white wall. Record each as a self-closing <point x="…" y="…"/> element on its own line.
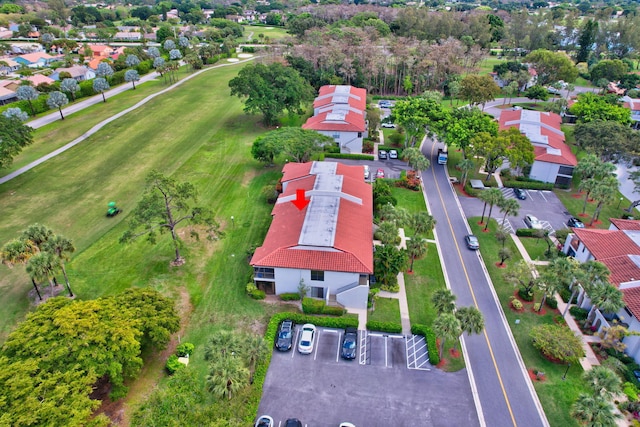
<point x="543" y="171"/>
<point x="632" y="342"/>
<point x="349" y="142"/>
<point x="288" y="280"/>
<point x="582" y="254"/>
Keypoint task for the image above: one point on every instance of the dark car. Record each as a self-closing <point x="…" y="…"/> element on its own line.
<point x="472" y="242"/>
<point x="575" y="223"/>
<point x="519" y="193"/>
<point x="292" y="422"/>
<point x="284" y="337"/>
<point x="382" y="155"/>
<point x="349" y="343"/>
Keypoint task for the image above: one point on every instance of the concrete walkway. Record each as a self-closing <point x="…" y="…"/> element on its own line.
<point x="590" y="358"/>
<point x="105" y="122"/>
<point x="401" y="295"/>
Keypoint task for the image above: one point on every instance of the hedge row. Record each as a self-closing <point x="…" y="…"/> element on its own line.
<point x="391" y="327"/>
<point x="527" y="232"/>
<point x="349" y="156"/>
<point x="430" y="338"/>
<point x="579" y="313"/>
<point x="317" y="306"/>
<point x="529" y="185"/>
<point x="290" y="296"/>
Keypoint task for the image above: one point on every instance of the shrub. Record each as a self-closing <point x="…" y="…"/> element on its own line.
<point x="551" y="302"/>
<point x="556" y="342"/>
<point x="185" y="349"/>
<point x="430" y="338"/>
<point x="562" y="234"/>
<point x="630" y="391"/>
<point x="528" y="184"/>
<point x="390" y="327"/>
<point x="536" y="306"/>
<point x="316" y="306"/>
<point x="290" y="296"/>
<point x="525" y="232"/>
<point x="516" y="304"/>
<point x="349" y="156"/>
<point x="250" y="288"/>
<point x="332" y="310"/>
<point x="565" y="294"/>
<point x="579" y="313"/>
<point x="258" y="294"/>
<point x="525" y="295"/>
<point x="173" y="364"/>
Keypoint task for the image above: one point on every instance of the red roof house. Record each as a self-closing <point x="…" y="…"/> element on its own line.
<point x="328" y="244"/>
<point x="554" y="161"/>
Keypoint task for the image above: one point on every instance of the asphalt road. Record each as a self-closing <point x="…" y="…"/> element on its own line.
<point x="504" y="391"/>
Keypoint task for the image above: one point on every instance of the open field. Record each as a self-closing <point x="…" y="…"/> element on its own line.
<point x="556" y="395"/>
<point x="275" y="34"/>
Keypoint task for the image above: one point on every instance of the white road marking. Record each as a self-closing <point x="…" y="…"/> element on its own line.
<point x="338" y="350"/>
<point x="316" y="342"/>
<point x="363" y="348"/>
<point x="295" y="343"/>
<point x="385" y="352"/>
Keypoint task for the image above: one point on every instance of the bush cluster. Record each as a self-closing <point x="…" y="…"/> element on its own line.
<point x="551" y="302"/>
<point x="579" y="313"/>
<point x="409" y="180"/>
<point x="349" y="156"/>
<point x="529" y="185"/>
<point x="526" y="232"/>
<point x="516" y="304"/>
<point x="173" y="364"/>
<point x="430" y="338"/>
<point x="316" y="306"/>
<point x="391" y="327"/>
<point x="525" y="295"/>
<point x="290" y="296"/>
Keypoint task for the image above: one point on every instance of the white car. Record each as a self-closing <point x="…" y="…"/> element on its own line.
<point x="307" y="338"/>
<point x="393" y="154"/>
<point x="366" y="172"/>
<point x="388" y="125"/>
<point x="533" y="222"/>
<point x="264" y="421"/>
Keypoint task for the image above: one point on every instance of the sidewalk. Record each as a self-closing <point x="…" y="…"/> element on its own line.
<point x="590" y="358"/>
<point x="401" y="295"/>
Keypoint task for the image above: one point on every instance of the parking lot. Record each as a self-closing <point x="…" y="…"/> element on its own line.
<point x="389" y="383"/>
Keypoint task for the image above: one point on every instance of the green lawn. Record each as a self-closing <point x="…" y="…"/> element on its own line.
<point x="486" y="66"/>
<point x="275" y="34"/>
<point x="574" y="203"/>
<point x="536" y="248"/>
<point x="556" y="395"/>
<point x="426" y="278"/>
<point x="386" y="310"/>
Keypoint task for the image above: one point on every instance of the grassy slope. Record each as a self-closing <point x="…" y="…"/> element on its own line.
<point x="556" y="395"/>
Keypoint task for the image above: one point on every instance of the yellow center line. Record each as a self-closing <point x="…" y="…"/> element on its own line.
<point x="473" y="295"/>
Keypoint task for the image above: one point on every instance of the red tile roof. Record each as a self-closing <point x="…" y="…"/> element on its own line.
<point x="38" y="79"/>
<point x="549" y="127"/>
<point x="625" y="224"/>
<point x="353" y="242"/>
<point x="603" y="244"/>
<point x="292" y="171"/>
<point x="36" y="56"/>
<point x="327" y="121"/>
<point x="357" y="97"/>
<point x="631" y="298"/>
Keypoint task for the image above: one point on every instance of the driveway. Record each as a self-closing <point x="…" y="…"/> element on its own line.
<point x="383" y="386"/>
<point x="392" y="168"/>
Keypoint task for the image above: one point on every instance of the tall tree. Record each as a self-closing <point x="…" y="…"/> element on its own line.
<point x="591" y="107"/>
<point x="61" y="247"/>
<point x="29" y="94"/>
<point x="131" y="76"/>
<point x="165" y="205"/>
<point x="509" y="145"/>
<point x="419" y="116"/>
<point x="70" y="86"/>
<point x="606" y="298"/>
<point x="586" y="40"/>
<point x="471" y="320"/>
<point x="14" y="136"/>
<point x="594" y="411"/>
<point x="479" y="89"/>
<point x="57" y="100"/>
<point x="99" y="86"/>
<point x="421" y="222"/>
<point x="388" y="262"/>
<point x="552" y="66"/>
<point x="603" y="193"/>
<point x="508" y="207"/>
<point x="227" y="376"/>
<point x="270" y="90"/>
<point x="609" y="140"/>
<point x="491" y="197"/>
<point x="416" y="247"/>
<point x="443" y="301"/>
<point x="415" y="159"/>
<point x="464" y="123"/>
<point x="446" y="326"/>
<point x="18" y="251"/>
<point x="104" y="70"/>
<point x="42" y="266"/>
<point x="466" y="165"/>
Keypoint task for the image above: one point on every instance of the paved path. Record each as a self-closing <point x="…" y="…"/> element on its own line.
<point x="502" y="388"/>
<point x="401" y="295"/>
<point x="103" y="123"/>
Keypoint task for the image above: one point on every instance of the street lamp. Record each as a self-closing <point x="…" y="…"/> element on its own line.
<point x="564" y="377"/>
<point x="620" y="202"/>
<point x="233" y="222"/>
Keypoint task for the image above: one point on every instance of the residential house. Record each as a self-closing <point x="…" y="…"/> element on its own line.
<point x="339" y="112"/>
<point x="327" y="245"/>
<point x="619" y="249"/>
<point x="39" y="79"/>
<point x="7" y="95"/>
<point x="8" y="65"/>
<point x="78" y="72"/>
<point x="634" y="106"/>
<point x="131" y="36"/>
<point x="554" y="162"/>
<point x="96" y="51"/>
<point x="35" y="59"/>
<point x="5" y="33"/>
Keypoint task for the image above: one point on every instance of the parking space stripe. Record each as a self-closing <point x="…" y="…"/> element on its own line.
<point x="386" y="353"/>
<point x="363" y="348"/>
<point x="315" y="353"/>
<point x="338" y="350"/>
<point x="295" y="343"/>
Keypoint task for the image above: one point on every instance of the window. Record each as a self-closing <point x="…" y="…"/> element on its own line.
<point x="316" y="292"/>
<point x="336" y="136"/>
<point x="359" y="134"/>
<point x="263" y="273"/>
<point x="565" y="170"/>
<point x="317" y="275"/>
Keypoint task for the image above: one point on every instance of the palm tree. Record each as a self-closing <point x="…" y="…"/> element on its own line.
<point x="501" y="236"/>
<point x="38" y="234"/>
<point x="603" y="381"/>
<point x="387" y="233"/>
<point x="416" y="247"/>
<point x="466" y="166"/>
<point x="443" y="301"/>
<point x="504" y="254"/>
<point x="494" y="197"/>
<point x="227" y="376"/>
<point x="589" y="274"/>
<point x="18" y="252"/>
<point x="421" y="222"/>
<point x="41" y="266"/>
<point x="253" y="348"/>
<point x="594" y="411"/>
<point x="508" y="207"/>
<point x="387" y="212"/>
<point x="222" y="344"/>
<point x="490" y="197"/>
<point x="587" y="185"/>
<point x="471" y="320"/>
<point x="603" y="193"/>
<point x="446" y="326"/>
<point x="549" y="284"/>
<point x="61" y="247"/>
<point x="607" y="298"/>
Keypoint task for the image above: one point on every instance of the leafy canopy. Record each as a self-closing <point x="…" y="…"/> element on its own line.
<point x="14" y="136"/>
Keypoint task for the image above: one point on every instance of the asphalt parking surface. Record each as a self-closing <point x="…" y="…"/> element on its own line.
<point x="392" y="168"/>
<point x="389" y="383"/>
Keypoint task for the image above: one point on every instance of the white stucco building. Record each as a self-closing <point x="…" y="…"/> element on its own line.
<point x="339" y="112"/>
<point x="554" y="162"/>
<point x="328" y="244"/>
<point x="619" y="249"/>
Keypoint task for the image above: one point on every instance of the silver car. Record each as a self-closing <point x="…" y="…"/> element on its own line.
<point x="533" y="222"/>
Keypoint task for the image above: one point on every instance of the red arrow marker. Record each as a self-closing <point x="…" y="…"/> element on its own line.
<point x="300" y="201"/>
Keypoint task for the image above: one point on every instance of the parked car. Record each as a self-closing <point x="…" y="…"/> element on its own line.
<point x="307" y="339"/>
<point x="284" y="337"/>
<point x="292" y="422"/>
<point x="520" y="193"/>
<point x="264" y="421"/>
<point x="346" y="425"/>
<point x="385" y="104"/>
<point x="349" y="343"/>
<point x="533" y="222"/>
<point x="382" y="155"/>
<point x="393" y="154"/>
<point x="472" y="242"/>
<point x="380" y="173"/>
<point x="575" y="223"/>
<point x="366" y="172"/>
<point x="388" y="125"/>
